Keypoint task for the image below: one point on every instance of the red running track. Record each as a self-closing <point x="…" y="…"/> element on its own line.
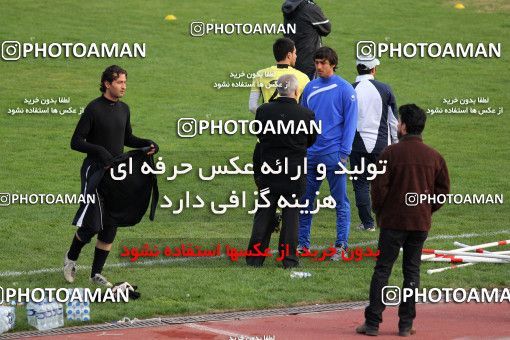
<point x="434" y="321"/>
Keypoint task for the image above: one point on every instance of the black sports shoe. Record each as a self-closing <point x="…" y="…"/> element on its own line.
<point x="364" y="329"/>
<point x="407" y="332"/>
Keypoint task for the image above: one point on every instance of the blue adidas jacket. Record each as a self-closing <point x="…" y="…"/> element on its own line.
<point x="333" y="100"/>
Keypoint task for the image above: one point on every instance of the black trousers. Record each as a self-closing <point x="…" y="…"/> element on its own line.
<point x="263" y="226"/>
<point x="362" y="187"/>
<point x="390" y="242"/>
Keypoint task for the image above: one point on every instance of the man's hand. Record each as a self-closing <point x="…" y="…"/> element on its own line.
<point x="153" y="149"/>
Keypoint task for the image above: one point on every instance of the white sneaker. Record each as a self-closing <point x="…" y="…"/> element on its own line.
<point x="362" y="228"/>
<point x="338" y="255"/>
<point x="301" y="249"/>
<point x="100" y="280"/>
<point x="69" y="269"/>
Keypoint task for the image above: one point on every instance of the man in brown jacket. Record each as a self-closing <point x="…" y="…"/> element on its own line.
<point x="413" y="171"/>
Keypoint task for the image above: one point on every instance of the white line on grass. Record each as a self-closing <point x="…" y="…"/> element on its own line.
<point x="436" y="237"/>
<point x="167" y="261"/>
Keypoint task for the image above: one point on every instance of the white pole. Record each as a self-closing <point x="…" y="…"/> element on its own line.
<point x="453" y="266"/>
<point x="465" y="253"/>
<point x="466" y="259"/>
<point x="479" y="250"/>
<point x="481" y="246"/>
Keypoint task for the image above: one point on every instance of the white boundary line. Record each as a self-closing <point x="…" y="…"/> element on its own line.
<point x="166" y="261"/>
<point x="441" y="237"/>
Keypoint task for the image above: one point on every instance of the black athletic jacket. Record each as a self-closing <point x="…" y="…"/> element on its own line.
<point x="311" y="24"/>
<point x="117" y="203"/>
<point x="104" y="129"/>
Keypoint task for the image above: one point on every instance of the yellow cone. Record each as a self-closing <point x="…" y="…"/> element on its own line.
<point x="170" y="17"/>
<point x="458" y="5"/>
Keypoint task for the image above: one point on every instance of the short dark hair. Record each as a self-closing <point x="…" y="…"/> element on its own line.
<point x="110" y="74"/>
<point x="327" y="53"/>
<point x="413" y="117"/>
<point x="362" y="69"/>
<point x="281" y="47"/>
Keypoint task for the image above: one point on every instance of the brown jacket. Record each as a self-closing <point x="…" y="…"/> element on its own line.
<point x="412" y="167"/>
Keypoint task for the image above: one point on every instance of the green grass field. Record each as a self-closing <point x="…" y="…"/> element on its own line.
<point x="176" y="80"/>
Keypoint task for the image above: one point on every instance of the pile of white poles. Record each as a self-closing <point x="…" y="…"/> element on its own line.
<point x="466" y="255"/>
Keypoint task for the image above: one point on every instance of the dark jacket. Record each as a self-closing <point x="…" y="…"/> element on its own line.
<point x="275" y="147"/>
<point x="103" y="130"/>
<point x="412" y="167"/>
<point x="311" y="24"/>
<point x="118" y="203"/>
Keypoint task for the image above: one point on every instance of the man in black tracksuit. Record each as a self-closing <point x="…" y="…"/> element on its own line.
<point x="274" y="148"/>
<point x="311" y="25"/>
<point x="102" y="131"/>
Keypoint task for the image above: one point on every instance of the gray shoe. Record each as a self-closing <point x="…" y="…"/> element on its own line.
<point x="362" y="227"/>
<point x="338" y="255"/>
<point x="100" y="280"/>
<point x="69" y="269"/>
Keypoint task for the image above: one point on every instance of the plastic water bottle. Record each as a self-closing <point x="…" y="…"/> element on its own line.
<point x="7" y="318"/>
<point x="48" y="313"/>
<point x="36" y="312"/>
<point x="40" y="314"/>
<point x="299" y="275"/>
<point x="4" y="325"/>
<point x="78" y="310"/>
<point x="56" y="316"/>
<point x="86" y="312"/>
<point x="53" y="315"/>
<point x="60" y="315"/>
<point x="69" y="311"/>
<point x="31" y="313"/>
<point x="45" y="315"/>
<point x="8" y="314"/>
<point x="12" y="318"/>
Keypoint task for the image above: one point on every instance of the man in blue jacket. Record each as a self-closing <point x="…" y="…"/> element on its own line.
<point x="333" y="100"/>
